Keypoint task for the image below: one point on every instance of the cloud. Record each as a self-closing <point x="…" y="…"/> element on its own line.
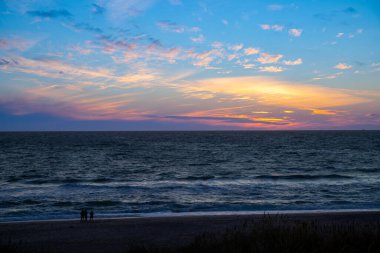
<point x="230" y="57"/>
<point x="323" y="112"/>
<point x="295" y="32"/>
<point x="260" y="112"/>
<point x="339" y="35"/>
<point x="16" y="43"/>
<point x="266" y="121"/>
<point x="251" y="51"/>
<point x="332" y="76"/>
<point x="236" y="47"/>
<point x="111" y="44"/>
<point x="4" y="61"/>
<point x="266" y="58"/>
<point x="79" y="27"/>
<point x="275" y="7"/>
<point x="272" y="92"/>
<point x="295" y="62"/>
<point x="171" y="26"/>
<point x="277" y="28"/>
<point x="52" y="69"/>
<point x="272" y="69"/>
<point x="175" y="2"/>
<point x="198" y="39"/>
<point x="97" y="9"/>
<point x="342" y="66"/>
<point x="50" y="14"/>
<point x="83" y="51"/>
<point x="205" y="58"/>
<point x="58" y="70"/>
<point x="174" y="27"/>
<point x="350" y="10"/>
<point x="248" y="66"/>
<point x="118" y="10"/>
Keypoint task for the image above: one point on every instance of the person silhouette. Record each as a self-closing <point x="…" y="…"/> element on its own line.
<point x="92" y="215"/>
<point x="81" y="214"/>
<point x="85" y="214"/>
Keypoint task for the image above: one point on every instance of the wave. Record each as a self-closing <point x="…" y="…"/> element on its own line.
<point x="103" y="203"/>
<point x="195" y="178"/>
<point x="303" y="177"/>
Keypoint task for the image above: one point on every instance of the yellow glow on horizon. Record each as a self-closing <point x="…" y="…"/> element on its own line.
<point x="322" y="112"/>
<point x="269" y="91"/>
<point x="270" y="119"/>
<point x="261" y="112"/>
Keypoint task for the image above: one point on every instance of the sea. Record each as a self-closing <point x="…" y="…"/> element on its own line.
<point x="52" y="175"/>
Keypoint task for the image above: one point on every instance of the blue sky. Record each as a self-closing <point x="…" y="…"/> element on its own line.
<point x="189" y="65"/>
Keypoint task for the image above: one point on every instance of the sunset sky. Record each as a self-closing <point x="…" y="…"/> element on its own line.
<point x="189" y="65"/>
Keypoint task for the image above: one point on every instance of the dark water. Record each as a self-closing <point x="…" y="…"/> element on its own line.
<point x="52" y="175"/>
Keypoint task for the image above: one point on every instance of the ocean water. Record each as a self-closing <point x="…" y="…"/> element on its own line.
<point x="53" y="175"/>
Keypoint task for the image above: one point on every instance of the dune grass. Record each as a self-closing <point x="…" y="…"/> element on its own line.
<point x="271" y="233"/>
<point x="279" y="234"/>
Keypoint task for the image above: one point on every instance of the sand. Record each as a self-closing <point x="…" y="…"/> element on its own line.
<point x="116" y="235"/>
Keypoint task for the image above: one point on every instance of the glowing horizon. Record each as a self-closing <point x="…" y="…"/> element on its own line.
<point x="174" y="65"/>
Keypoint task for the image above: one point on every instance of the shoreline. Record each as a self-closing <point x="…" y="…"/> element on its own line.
<point x="117" y="234"/>
<point x="199" y="214"/>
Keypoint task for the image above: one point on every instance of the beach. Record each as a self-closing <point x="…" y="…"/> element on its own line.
<point x="118" y="235"/>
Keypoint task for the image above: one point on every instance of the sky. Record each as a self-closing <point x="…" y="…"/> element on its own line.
<point x="189" y="65"/>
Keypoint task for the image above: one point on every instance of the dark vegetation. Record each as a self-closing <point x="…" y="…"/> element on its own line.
<point x="279" y="234"/>
<point x="271" y="234"/>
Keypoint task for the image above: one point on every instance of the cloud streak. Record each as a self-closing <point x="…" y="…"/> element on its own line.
<point x="51" y="14"/>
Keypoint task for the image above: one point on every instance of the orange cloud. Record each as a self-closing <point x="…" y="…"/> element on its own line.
<point x="322" y="112"/>
<point x="269" y="91"/>
<point x="266" y="58"/>
<point x="272" y="69"/>
<point x="342" y="66"/>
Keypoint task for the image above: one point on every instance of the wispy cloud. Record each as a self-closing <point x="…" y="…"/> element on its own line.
<point x="275" y="7"/>
<point x="248" y="65"/>
<point x="251" y="51"/>
<point x="50" y="14"/>
<point x="97" y="9"/>
<point x="58" y="70"/>
<point x="295" y="32"/>
<point x="350" y="10"/>
<point x="118" y="10"/>
<point x="175" y="2"/>
<point x="199" y="39"/>
<point x="295" y="62"/>
<point x="174" y="27"/>
<point x="342" y="66"/>
<point x="277" y="28"/>
<point x="83" y="51"/>
<point x="205" y="58"/>
<point x="236" y="47"/>
<point x="266" y="58"/>
<point x="330" y="76"/>
<point x="272" y="69"/>
<point x="16" y="43"/>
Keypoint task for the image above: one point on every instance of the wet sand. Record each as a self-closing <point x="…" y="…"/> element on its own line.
<point x="116" y="235"/>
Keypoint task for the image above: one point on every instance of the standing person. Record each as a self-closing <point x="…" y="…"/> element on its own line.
<point x="92" y="215"/>
<point x="85" y="214"/>
<point x="81" y="214"/>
